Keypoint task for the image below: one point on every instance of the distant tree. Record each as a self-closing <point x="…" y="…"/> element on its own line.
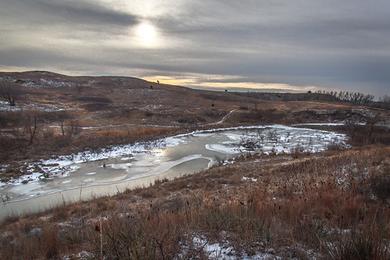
<point x="342" y="95"/>
<point x="9" y="92"/>
<point x="385" y="99"/>
<point x="351" y="97"/>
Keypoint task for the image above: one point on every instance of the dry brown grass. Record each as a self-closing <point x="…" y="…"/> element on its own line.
<point x="135" y="133"/>
<point x="323" y="202"/>
<point x="335" y="203"/>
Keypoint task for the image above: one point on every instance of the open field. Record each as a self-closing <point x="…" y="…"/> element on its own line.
<point x="328" y="205"/>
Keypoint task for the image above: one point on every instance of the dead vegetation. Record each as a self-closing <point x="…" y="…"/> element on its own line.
<point x="334" y="205"/>
<point x="49" y="104"/>
<point x="367" y="134"/>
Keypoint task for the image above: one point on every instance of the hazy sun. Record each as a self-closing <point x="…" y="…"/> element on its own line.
<point x="146" y="35"/>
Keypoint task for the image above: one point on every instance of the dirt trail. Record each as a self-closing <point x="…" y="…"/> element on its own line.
<point x="223" y="118"/>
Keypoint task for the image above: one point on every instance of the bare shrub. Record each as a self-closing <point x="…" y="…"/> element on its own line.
<point x="380" y="186"/>
<point x="367" y="134"/>
<point x="359" y="245"/>
<point x="74" y="128"/>
<point x="155" y="237"/>
<point x="252" y="143"/>
<point x="297" y="151"/>
<point x="190" y="120"/>
<point x="50" y="243"/>
<point x="213" y="113"/>
<point x="10" y="119"/>
<point x="31" y="126"/>
<point x="9" y="92"/>
<point x="335" y="147"/>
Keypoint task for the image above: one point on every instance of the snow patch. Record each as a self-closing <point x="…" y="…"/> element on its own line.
<point x="225" y="251"/>
<point x="4" y="106"/>
<point x="249" y="179"/>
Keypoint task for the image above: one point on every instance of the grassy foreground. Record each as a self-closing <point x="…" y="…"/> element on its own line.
<point x="333" y="205"/>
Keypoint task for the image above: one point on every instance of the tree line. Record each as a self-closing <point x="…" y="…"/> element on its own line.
<point x="351" y="97"/>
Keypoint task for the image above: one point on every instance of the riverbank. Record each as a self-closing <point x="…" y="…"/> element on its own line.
<point x="301" y="205"/>
<point x="91" y="174"/>
<point x="59" y="115"/>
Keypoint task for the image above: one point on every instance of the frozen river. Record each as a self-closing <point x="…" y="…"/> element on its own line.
<point x="87" y="175"/>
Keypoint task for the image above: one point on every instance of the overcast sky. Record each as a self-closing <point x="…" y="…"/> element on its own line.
<point x="297" y="44"/>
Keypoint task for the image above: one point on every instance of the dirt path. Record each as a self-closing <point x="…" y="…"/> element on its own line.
<point x="223" y="118"/>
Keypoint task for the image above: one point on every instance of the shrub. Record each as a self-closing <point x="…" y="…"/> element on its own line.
<point x="154" y="237"/>
<point x="359" y="245"/>
<point x="380" y="186"/>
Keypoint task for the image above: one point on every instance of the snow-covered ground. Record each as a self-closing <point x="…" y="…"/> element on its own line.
<point x="223" y="250"/>
<point x="4" y="106"/>
<point x="41" y="82"/>
<point x="46" y="83"/>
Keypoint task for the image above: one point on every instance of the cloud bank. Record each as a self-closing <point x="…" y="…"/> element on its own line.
<point x="299" y="44"/>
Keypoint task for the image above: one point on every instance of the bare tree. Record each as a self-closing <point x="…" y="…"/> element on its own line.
<point x="31" y="126"/>
<point x="352" y="97"/>
<point x="62" y="127"/>
<point x="74" y="128"/>
<point x="9" y="92"/>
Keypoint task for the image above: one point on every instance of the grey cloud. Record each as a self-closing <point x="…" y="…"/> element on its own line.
<point x="86" y="12"/>
<point x="68" y="12"/>
<point x="326" y="43"/>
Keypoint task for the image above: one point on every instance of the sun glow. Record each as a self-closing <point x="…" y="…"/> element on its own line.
<point x="146" y="35"/>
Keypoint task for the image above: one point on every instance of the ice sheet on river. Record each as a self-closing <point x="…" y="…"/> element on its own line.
<point x="274" y="138"/>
